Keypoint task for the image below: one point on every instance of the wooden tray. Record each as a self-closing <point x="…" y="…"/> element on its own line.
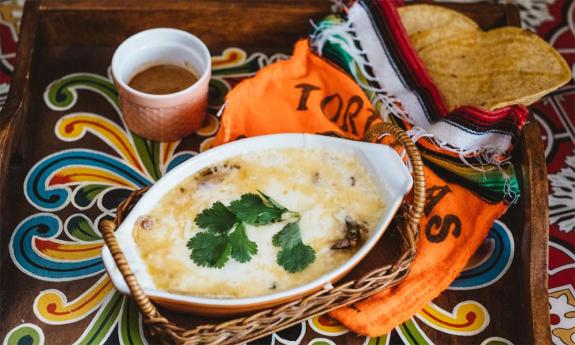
<point x="60" y="38"/>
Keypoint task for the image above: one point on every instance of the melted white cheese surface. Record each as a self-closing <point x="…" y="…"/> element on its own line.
<point x="325" y="187"/>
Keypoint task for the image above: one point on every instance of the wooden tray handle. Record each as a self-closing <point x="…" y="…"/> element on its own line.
<point x="261" y="323"/>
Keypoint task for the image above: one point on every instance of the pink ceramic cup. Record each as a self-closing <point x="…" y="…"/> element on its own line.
<point x="162" y="117"/>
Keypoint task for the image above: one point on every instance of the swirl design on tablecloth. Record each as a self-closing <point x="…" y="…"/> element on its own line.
<point x="554" y="113"/>
<point x="325" y="325"/>
<point x="467" y="318"/>
<point x="35" y="249"/>
<point x="496" y="260"/>
<point x="46" y="185"/>
<point x="25" y="334"/>
<point x="46" y="249"/>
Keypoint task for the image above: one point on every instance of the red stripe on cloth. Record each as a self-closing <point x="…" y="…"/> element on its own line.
<point x="511" y="118"/>
<point x="410" y="57"/>
<point x="518" y="111"/>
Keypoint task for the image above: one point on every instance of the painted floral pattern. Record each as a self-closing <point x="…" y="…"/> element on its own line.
<point x="49" y="247"/>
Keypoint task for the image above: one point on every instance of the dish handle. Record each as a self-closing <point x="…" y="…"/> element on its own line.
<point x="158" y="324"/>
<point x="411" y="213"/>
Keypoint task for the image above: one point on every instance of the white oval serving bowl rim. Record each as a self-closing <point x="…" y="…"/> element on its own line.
<point x="227" y="151"/>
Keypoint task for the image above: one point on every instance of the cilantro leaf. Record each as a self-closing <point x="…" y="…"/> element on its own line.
<point x="250" y="208"/>
<point x="288" y="237"/>
<point x="294" y="255"/>
<point x="273" y="202"/>
<point x="226" y="233"/>
<point x="217" y="218"/>
<point x="296" y="258"/>
<point x="242" y="247"/>
<point x="209" y="249"/>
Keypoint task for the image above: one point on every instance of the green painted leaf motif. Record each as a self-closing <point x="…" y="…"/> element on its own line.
<point x="413" y="334"/>
<point x="25" y="334"/>
<point x="61" y="93"/>
<point x="103" y="323"/>
<point x="149" y="152"/>
<point x="85" y="195"/>
<point x="129" y="327"/>
<point x="381" y="340"/>
<point x="79" y="227"/>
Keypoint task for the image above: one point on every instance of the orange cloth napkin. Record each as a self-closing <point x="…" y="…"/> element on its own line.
<point x="307" y="94"/>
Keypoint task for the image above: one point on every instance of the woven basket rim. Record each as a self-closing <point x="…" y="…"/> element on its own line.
<point x="267" y="321"/>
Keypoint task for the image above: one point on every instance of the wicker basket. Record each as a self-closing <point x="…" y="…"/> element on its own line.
<point x="271" y="320"/>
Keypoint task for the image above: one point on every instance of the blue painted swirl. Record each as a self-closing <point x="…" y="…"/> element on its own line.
<point x="50" y="198"/>
<point x="494" y="266"/>
<point x="179" y="159"/>
<point x="25" y="256"/>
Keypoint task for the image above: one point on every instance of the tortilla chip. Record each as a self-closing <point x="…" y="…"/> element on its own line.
<point x="494" y="69"/>
<point x="424" y="39"/>
<point x="428" y="24"/>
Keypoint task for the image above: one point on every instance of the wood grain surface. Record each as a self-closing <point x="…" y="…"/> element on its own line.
<point x="62" y="37"/>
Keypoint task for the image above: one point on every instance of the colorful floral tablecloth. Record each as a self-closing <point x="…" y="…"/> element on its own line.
<point x="554" y="20"/>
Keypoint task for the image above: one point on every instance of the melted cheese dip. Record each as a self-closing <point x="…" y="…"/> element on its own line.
<point x="328" y="189"/>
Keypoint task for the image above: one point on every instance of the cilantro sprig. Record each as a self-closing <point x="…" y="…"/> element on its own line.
<point x="294" y="256"/>
<point x="242" y="247"/>
<point x="252" y="209"/>
<point x="226" y="237"/>
<point x="217" y="219"/>
<point x="208" y="249"/>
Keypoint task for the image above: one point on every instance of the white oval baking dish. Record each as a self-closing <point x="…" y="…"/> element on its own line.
<point x="390" y="172"/>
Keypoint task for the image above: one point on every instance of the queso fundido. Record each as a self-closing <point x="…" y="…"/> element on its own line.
<point x="259" y="223"/>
